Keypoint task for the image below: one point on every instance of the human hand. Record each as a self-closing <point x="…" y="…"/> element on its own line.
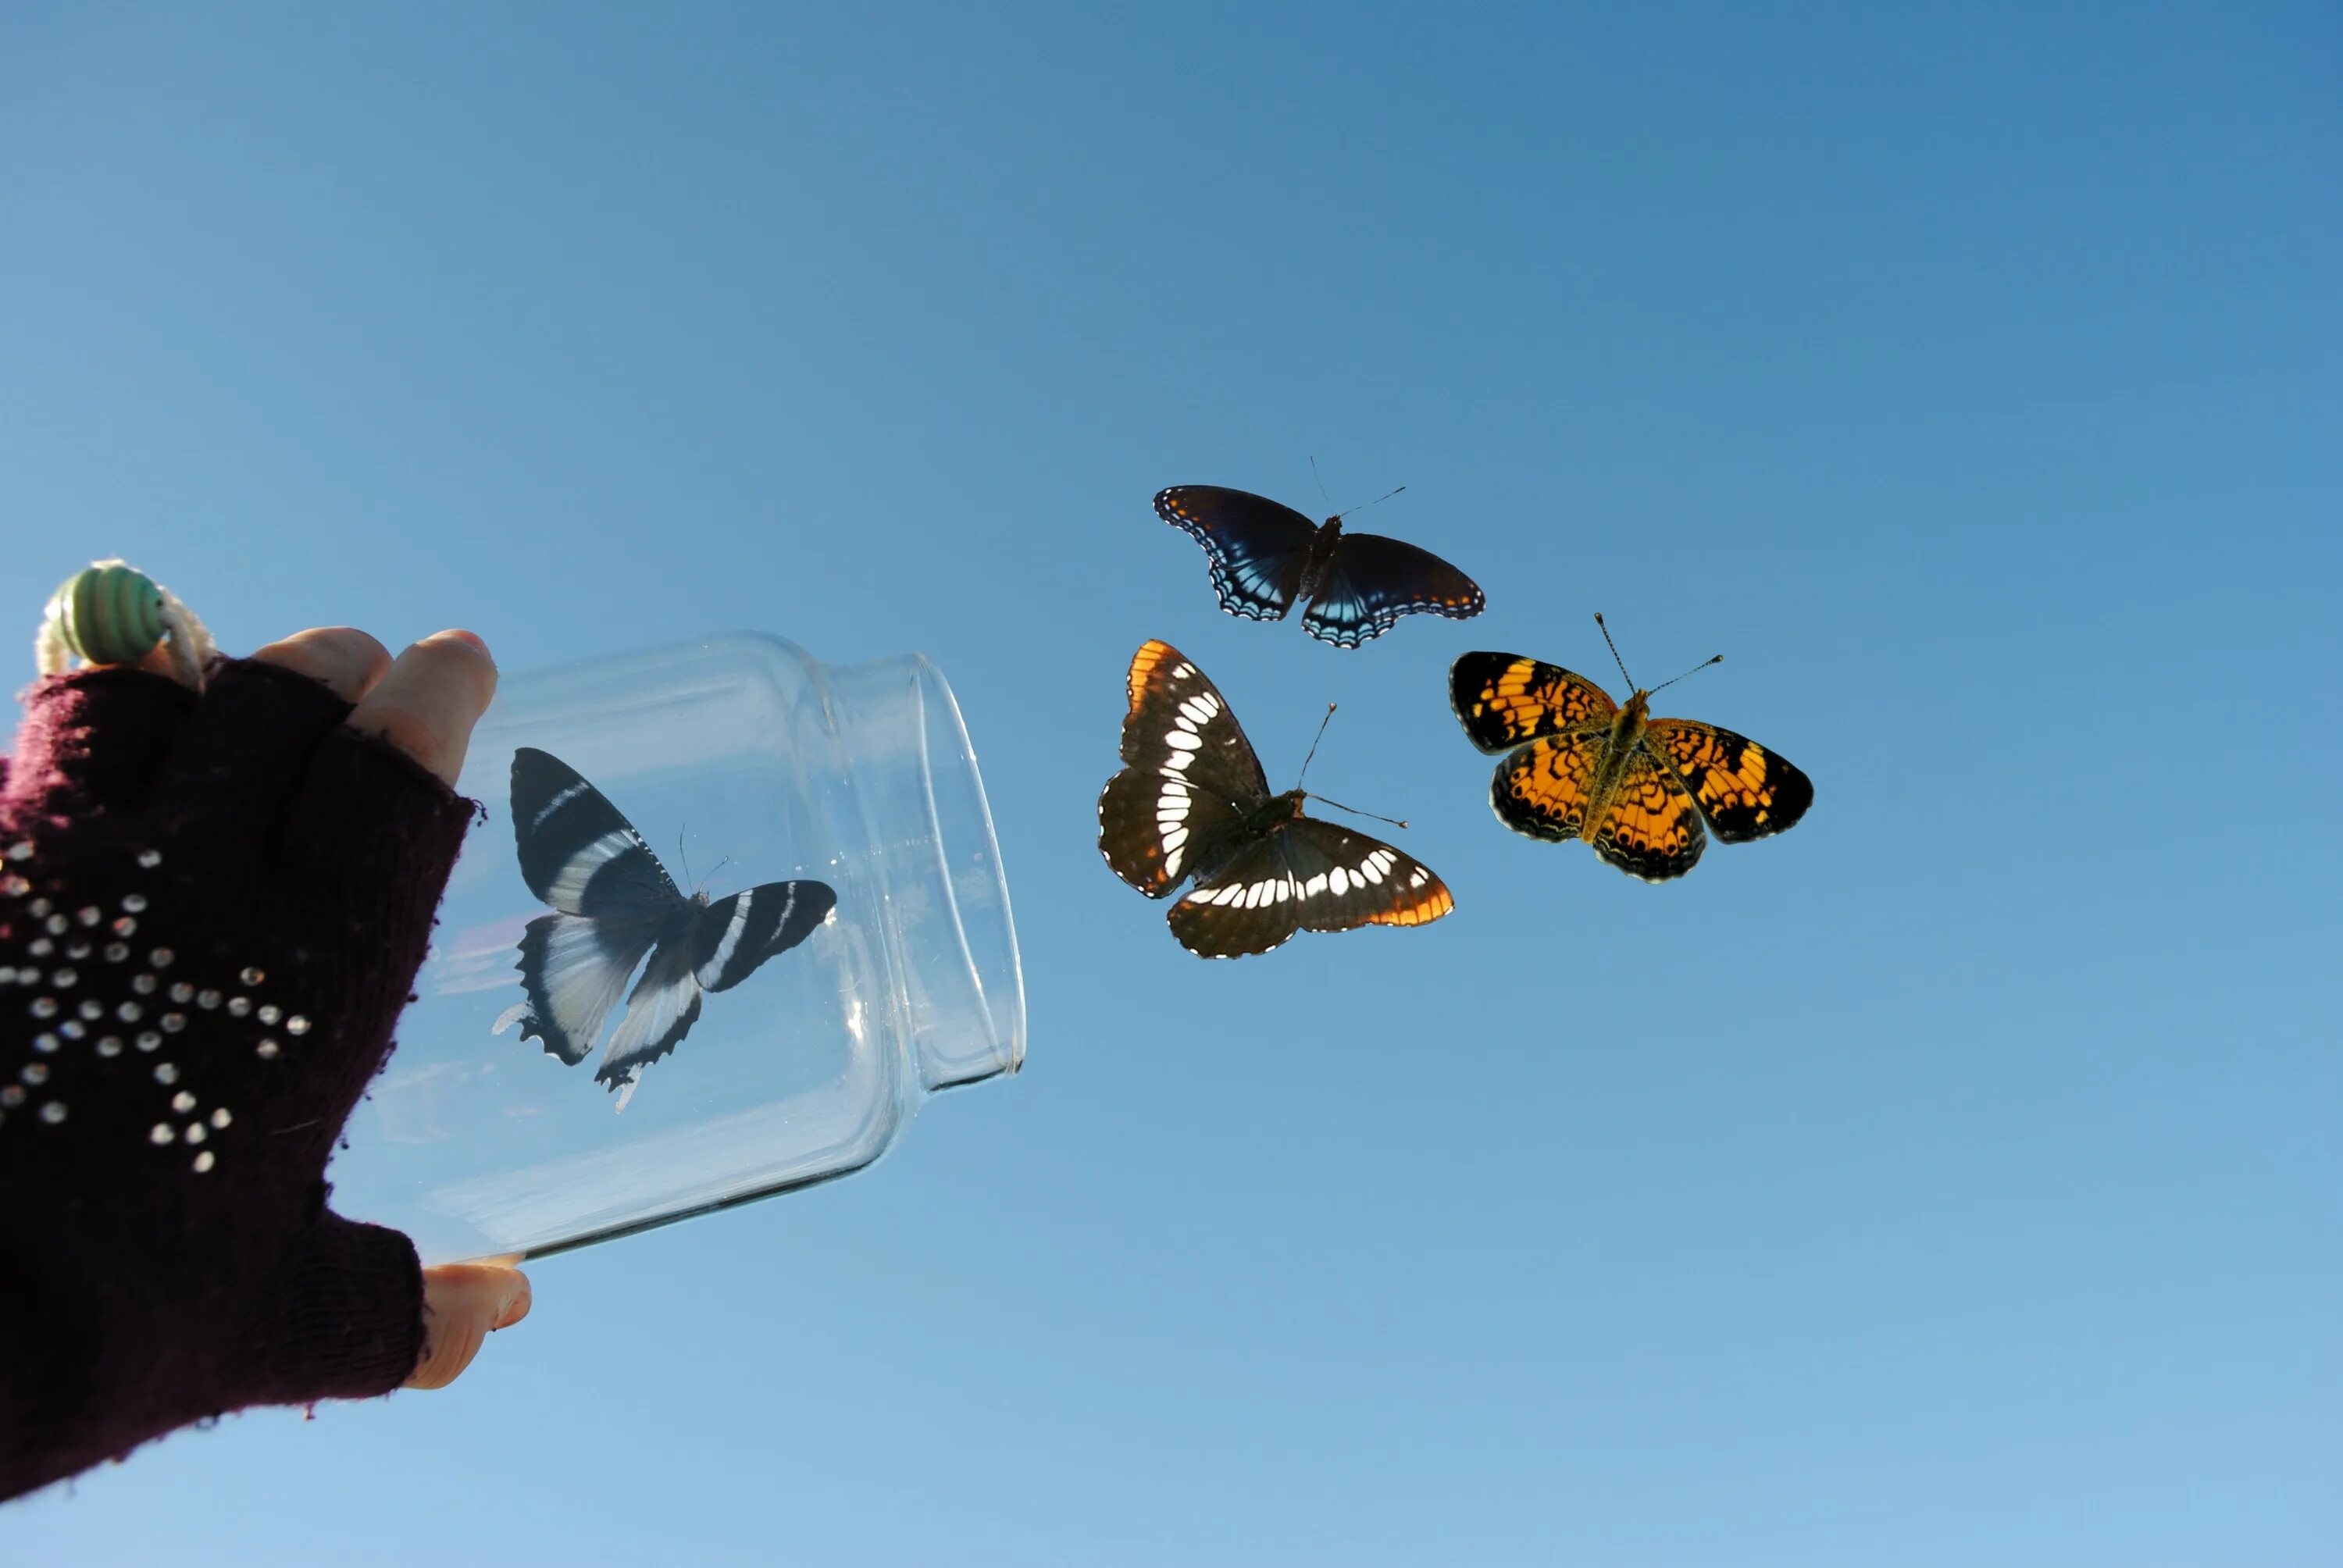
<point x="424" y="704"/>
<point x="212" y="905"/>
<point x="463" y="1303"/>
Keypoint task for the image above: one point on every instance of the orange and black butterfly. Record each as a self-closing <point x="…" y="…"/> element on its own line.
<point x="1193" y="801"/>
<point x="1638" y="788"/>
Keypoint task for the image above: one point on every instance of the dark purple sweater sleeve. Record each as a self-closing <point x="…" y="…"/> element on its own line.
<point x="211" y="909"/>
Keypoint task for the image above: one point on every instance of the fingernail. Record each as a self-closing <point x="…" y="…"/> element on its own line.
<point x="515" y="1305"/>
<point x="460" y="635"/>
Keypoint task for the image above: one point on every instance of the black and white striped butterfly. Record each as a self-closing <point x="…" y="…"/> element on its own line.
<point x="1193" y="801"/>
<point x="613" y="902"/>
<point x="1266" y="557"/>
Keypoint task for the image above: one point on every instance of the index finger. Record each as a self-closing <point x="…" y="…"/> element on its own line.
<point x="428" y="701"/>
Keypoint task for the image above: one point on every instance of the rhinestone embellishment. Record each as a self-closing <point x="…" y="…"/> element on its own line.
<point x="59" y="945"/>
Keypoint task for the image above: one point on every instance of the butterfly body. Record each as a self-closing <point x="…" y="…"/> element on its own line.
<point x="1193" y="802"/>
<point x="614" y="905"/>
<point x="1266" y="559"/>
<point x="1644" y="792"/>
<point x="1619" y="750"/>
<point x="1318" y="567"/>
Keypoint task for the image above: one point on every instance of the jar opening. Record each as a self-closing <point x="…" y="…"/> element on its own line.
<point x="973" y="934"/>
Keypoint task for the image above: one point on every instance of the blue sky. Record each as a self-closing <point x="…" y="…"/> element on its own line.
<point x="1952" y="1181"/>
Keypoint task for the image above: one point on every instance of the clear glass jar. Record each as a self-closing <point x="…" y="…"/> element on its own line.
<point x="745" y="760"/>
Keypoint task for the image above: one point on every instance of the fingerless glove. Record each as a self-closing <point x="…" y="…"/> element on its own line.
<point x="211" y="909"/>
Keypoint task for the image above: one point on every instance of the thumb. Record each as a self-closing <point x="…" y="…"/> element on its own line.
<point x="462" y="1304"/>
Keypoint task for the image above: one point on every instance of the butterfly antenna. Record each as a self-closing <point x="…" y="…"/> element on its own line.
<point x="1695" y="670"/>
<point x="1313" y="743"/>
<point x="1615" y="654"/>
<point x="1378" y="501"/>
<point x="680" y="856"/>
<point x="1321" y="484"/>
<point x="1354" y="811"/>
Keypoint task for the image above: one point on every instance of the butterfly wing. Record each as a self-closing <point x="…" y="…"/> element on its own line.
<point x="1544" y="789"/>
<point x="1250" y="906"/>
<point x="1257" y="547"/>
<point x="1745" y="791"/>
<point x="611" y="898"/>
<point x="1373" y="580"/>
<point x="1192" y="778"/>
<point x="1650" y="828"/>
<point x="735" y="935"/>
<point x="1176" y="712"/>
<point x="1345" y="880"/>
<point x="664" y="1006"/>
<point x="573" y="970"/>
<point x="1503" y="700"/>
<point x="1306" y="875"/>
<point x="577" y="852"/>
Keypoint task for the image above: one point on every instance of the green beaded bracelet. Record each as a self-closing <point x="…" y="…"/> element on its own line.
<point x="113" y="613"/>
<point x="109" y="614"/>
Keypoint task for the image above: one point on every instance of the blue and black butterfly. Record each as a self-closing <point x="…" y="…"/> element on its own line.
<point x="613" y="902"/>
<point x="1266" y="557"/>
